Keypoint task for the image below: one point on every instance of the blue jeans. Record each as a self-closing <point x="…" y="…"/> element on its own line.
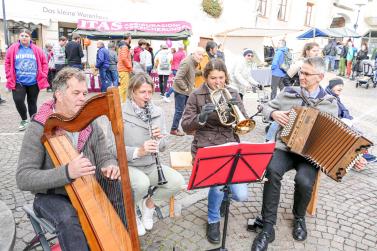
<point x="76" y="66"/>
<point x="330" y="62"/>
<point x="171" y="90"/>
<point x="180" y="103"/>
<point x="114" y="78"/>
<point x="215" y="197"/>
<point x="104" y="75"/>
<point x="271" y="133"/>
<point x="58" y="210"/>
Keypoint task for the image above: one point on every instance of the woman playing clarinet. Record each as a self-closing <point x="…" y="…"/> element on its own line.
<point x="144" y="131"/>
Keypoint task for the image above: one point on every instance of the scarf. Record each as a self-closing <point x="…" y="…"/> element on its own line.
<point x="142" y="113"/>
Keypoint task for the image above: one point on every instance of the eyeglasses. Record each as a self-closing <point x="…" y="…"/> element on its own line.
<point x="307" y="74"/>
<point x="24" y="35"/>
<point x="249" y="55"/>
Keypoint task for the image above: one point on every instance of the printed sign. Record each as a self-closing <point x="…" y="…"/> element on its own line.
<point x="161" y="27"/>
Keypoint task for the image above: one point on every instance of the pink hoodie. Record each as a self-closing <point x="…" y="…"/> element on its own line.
<point x="10" y="70"/>
<point x="177" y="58"/>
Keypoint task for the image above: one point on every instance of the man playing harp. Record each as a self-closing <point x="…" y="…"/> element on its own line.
<point x="310" y="93"/>
<point x="36" y="172"/>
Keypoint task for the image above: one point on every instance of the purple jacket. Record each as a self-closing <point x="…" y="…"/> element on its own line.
<point x="10" y="70"/>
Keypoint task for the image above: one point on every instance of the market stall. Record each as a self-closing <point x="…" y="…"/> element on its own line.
<point x="115" y="30"/>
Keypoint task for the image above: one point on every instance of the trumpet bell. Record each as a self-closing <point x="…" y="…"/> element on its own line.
<point x="244" y="126"/>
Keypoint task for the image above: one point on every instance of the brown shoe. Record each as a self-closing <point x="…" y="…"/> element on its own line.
<point x="177" y="133"/>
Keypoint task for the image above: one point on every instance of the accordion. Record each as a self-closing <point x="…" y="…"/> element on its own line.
<point x="324" y="140"/>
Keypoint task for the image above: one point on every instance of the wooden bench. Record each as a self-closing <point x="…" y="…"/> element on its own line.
<point x="183" y="161"/>
<point x="180" y="161"/>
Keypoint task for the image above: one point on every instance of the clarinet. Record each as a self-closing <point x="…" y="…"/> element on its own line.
<point x="160" y="173"/>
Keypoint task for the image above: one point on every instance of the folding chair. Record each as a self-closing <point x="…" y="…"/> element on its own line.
<point x="41" y="228"/>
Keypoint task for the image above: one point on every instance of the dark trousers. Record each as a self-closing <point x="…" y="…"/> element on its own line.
<point x="281" y="163"/>
<point x="163" y="79"/>
<point x="180" y="103"/>
<point x="59" y="67"/>
<point x="19" y="94"/>
<point x="79" y="66"/>
<point x="58" y="210"/>
<point x="275" y="83"/>
<point x="50" y="77"/>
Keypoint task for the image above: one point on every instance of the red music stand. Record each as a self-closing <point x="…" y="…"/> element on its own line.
<point x="229" y="164"/>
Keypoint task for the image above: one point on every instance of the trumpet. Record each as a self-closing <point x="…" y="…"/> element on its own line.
<point x="161" y="177"/>
<point x="221" y="98"/>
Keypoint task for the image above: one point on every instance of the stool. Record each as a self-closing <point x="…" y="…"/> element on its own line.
<point x="312" y="206"/>
<point x="179" y="161"/>
<point x="41" y="228"/>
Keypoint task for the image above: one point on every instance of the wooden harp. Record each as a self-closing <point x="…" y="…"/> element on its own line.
<point x="102" y="226"/>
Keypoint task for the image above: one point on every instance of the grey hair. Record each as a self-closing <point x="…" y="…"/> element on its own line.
<point x="60" y="81"/>
<point x="111" y="45"/>
<point x="136" y="81"/>
<point x="317" y="62"/>
<point x="283" y="42"/>
<point x="100" y="42"/>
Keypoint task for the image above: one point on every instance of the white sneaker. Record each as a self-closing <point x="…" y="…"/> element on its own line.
<point x="140" y="227"/>
<point x="147" y="216"/>
<point x="166" y="99"/>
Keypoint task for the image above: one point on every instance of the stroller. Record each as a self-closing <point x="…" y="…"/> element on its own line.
<point x="367" y="76"/>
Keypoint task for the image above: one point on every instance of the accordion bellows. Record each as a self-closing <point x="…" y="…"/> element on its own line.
<point x="324" y="140"/>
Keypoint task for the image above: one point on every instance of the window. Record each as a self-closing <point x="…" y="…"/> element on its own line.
<point x="282" y="10"/>
<point x="308" y="17"/>
<point x="67" y="32"/>
<point x="262" y="7"/>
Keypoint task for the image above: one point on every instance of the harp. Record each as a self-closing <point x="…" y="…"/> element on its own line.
<point x="101" y="224"/>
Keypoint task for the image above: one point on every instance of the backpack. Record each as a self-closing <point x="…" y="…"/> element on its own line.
<point x="164" y="62"/>
<point x="287" y="60"/>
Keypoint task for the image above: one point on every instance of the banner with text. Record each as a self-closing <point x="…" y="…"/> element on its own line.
<point x="160" y="27"/>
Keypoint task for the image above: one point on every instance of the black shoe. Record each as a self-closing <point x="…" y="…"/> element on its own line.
<point x="213" y="232"/>
<point x="260" y="243"/>
<point x="299" y="229"/>
<point x="2" y="101"/>
<point x="223" y="208"/>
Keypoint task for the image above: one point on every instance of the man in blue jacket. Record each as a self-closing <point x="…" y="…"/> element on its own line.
<point x="103" y="64"/>
<point x="278" y="74"/>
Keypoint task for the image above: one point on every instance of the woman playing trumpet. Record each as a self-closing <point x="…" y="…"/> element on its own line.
<point x="201" y="120"/>
<point x="144" y="131"/>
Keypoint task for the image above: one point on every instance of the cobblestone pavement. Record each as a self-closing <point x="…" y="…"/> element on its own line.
<point x="346" y="216"/>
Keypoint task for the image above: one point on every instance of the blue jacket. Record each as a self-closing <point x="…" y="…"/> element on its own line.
<point x="277" y="61"/>
<point x="103" y="58"/>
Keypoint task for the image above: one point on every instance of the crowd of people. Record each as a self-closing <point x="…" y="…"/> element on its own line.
<point x="29" y="69"/>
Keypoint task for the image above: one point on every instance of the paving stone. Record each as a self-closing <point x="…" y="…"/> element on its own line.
<point x="346" y="216"/>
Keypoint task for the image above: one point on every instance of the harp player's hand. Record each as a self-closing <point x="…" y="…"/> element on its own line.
<point x="80" y="166"/>
<point x="281" y="117"/>
<point x="111" y="172"/>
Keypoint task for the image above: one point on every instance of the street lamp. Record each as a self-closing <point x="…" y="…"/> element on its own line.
<point x="358" y="14"/>
<point x="5" y="26"/>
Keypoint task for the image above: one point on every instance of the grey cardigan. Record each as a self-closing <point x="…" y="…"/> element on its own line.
<point x="289" y="98"/>
<point x="36" y="172"/>
<point x="136" y="132"/>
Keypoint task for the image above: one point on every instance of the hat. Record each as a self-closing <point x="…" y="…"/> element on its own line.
<point x="334" y="82"/>
<point x="164" y="46"/>
<point x="248" y="51"/>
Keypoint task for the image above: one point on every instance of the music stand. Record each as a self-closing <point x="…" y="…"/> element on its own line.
<point x="229" y="164"/>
